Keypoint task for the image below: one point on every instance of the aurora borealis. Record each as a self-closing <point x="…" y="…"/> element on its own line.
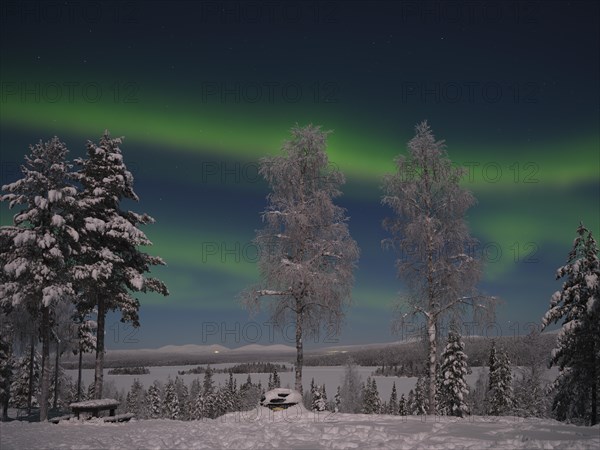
<point x="202" y="90"/>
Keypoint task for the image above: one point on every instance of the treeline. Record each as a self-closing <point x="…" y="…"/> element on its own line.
<point x="259" y="367"/>
<point x="406" y="358"/>
<point x="129" y="371"/>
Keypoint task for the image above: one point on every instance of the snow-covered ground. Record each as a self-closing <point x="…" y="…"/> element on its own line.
<point x="298" y="428"/>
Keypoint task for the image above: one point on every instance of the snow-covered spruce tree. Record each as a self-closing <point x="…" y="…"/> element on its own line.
<point x="306" y="257"/>
<point x="319" y="403"/>
<point x="577" y="352"/>
<point x="500" y="394"/>
<point x="420" y="401"/>
<point x="350" y="392"/>
<point x="337" y="401"/>
<point x="38" y="268"/>
<point x="153" y="401"/>
<point x="370" y="396"/>
<point x="402" y="406"/>
<point x="136" y="399"/>
<point x="410" y="402"/>
<point x="171" y="401"/>
<point x="430" y="233"/>
<point x="276" y="379"/>
<point x="393" y="403"/>
<point x="183" y="397"/>
<point x="453" y="371"/>
<point x="110" y="266"/>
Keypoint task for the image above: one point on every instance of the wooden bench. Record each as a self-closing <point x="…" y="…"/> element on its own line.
<point x="95" y="406"/>
<point x="120" y="418"/>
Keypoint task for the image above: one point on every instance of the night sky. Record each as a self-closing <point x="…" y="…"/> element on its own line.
<point x="202" y="90"/>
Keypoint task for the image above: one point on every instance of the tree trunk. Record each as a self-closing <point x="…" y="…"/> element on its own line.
<point x="299" y="354"/>
<point x="55" y="403"/>
<point x="45" y="385"/>
<point x="79" y="374"/>
<point x="98" y="376"/>
<point x="431" y="331"/>
<point x="31" y="361"/>
<point x="5" y="409"/>
<point x="594" y="418"/>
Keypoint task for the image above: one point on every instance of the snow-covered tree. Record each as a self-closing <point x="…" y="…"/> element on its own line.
<point x="371" y="399"/>
<point x="577" y="352"/>
<point x="208" y="385"/>
<point x="37" y="264"/>
<point x="402" y="406"/>
<point x="337" y="401"/>
<point x="453" y="371"/>
<point x="430" y="232"/>
<point x="393" y="403"/>
<point x="307" y="256"/>
<point x="110" y="266"/>
<point x="171" y="401"/>
<point x="350" y="392"/>
<point x="136" y="398"/>
<point x="319" y="401"/>
<point x="420" y="401"/>
<point x="276" y="379"/>
<point x="500" y="393"/>
<point x="183" y="398"/>
<point x="154" y="401"/>
<point x="22" y="382"/>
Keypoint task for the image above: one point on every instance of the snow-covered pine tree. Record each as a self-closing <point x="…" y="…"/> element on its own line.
<point x="270" y="382"/>
<point x="183" y="397"/>
<point x="500" y="395"/>
<point x="453" y="371"/>
<point x="153" y="401"/>
<point x="208" y="385"/>
<point x="318" y="402"/>
<point x="337" y="401"/>
<point x="86" y="340"/>
<point x="577" y="353"/>
<point x="20" y="385"/>
<point x="402" y="406"/>
<point x="410" y="403"/>
<point x="324" y="394"/>
<point x="110" y="266"/>
<point x="371" y="400"/>
<point x="136" y="399"/>
<point x="420" y="402"/>
<point x="171" y="401"/>
<point x="38" y="262"/>
<point x="91" y="391"/>
<point x="393" y="403"/>
<point x="276" y="379"/>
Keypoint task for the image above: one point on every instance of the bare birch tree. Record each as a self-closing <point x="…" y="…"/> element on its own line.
<point x="306" y="254"/>
<point x="436" y="252"/>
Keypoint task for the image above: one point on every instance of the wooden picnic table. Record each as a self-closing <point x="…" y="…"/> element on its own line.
<point x="95" y="406"/>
